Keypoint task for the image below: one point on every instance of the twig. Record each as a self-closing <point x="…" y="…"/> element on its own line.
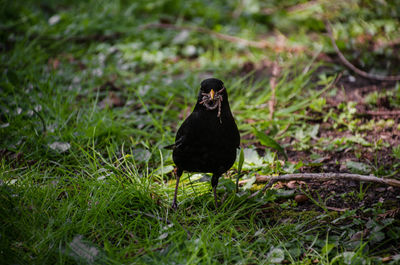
<point x="256" y="44"/>
<point x="349" y="65"/>
<point x="44" y="128"/>
<point x="337" y="209"/>
<point x="381" y="113"/>
<point x="323" y="177"/>
<point x="272" y="83"/>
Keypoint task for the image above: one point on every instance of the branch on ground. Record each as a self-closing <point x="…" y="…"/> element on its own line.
<point x="349" y="65"/>
<point x="263" y="44"/>
<point x="380" y="113"/>
<point x="321" y="177"/>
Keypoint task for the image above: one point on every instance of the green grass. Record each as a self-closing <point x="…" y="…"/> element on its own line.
<point x="106" y="198"/>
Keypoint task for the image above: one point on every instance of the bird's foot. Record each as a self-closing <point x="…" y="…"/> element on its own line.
<point x="174" y="206"/>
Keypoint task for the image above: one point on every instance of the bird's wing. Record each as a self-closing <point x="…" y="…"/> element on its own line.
<point x="184" y="133"/>
<point x="237" y="137"/>
<point x="187" y="136"/>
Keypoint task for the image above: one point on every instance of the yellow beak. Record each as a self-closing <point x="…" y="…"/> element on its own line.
<point x="212" y="93"/>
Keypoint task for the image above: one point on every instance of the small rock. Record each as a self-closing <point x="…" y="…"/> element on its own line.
<point x="299" y="198"/>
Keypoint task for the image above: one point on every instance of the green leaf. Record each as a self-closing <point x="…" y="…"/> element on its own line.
<point x="269" y="142"/>
<point x="358" y="167"/>
<point x="348" y="257"/>
<point x="285" y="194"/>
<point x="250" y="183"/>
<point x="241" y="161"/>
<point x="251" y="157"/>
<point x="164" y="170"/>
<point x="240" y="166"/>
<point x="377" y="237"/>
<point x="327" y="248"/>
<point x="226" y="184"/>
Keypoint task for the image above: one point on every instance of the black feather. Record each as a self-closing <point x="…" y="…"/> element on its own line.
<point x="207" y="140"/>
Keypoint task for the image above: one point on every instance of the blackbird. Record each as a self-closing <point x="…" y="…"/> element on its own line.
<point x="207" y="140"/>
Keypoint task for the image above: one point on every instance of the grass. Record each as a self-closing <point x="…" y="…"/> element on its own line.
<point x="84" y="177"/>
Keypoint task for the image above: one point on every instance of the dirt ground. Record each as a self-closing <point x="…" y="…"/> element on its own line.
<point x="341" y="195"/>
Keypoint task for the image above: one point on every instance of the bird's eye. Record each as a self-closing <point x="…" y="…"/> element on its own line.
<point x="206" y="89"/>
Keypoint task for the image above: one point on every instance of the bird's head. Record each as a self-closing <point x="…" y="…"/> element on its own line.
<point x="212" y="94"/>
<point x="211" y="84"/>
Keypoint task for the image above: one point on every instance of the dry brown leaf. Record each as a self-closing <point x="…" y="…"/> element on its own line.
<point x="387" y="259"/>
<point x="112" y="100"/>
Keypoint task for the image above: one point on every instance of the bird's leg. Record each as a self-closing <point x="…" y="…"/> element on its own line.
<point x="178" y="174"/>
<point x="214" y="184"/>
<point x="215" y="196"/>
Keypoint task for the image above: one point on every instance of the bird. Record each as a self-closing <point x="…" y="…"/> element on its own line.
<point x="208" y="139"/>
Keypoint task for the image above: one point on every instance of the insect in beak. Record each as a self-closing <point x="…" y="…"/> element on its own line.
<point x="212" y="93"/>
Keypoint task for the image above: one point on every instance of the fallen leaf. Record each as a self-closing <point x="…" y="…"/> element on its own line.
<point x="275" y="255"/>
<point x="293" y="184"/>
<point x="359" y="235"/>
<point x="251" y="157"/>
<point x="181" y="37"/>
<point x="279" y="185"/>
<point x="163" y="236"/>
<point x="358" y="167"/>
<point x="249" y="183"/>
<point x="390" y="213"/>
<point x="60" y="146"/>
<point x="112" y="100"/>
<point x="54" y="20"/>
<point x="387" y="259"/>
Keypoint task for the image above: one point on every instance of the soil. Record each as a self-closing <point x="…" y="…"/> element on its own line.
<point x="340" y="195"/>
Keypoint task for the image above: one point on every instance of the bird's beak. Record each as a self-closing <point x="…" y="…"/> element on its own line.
<point x="212" y="93"/>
